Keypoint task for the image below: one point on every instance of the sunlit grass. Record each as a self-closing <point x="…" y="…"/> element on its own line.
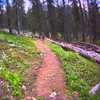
<point x="80" y="73"/>
<point x="15" y="55"/>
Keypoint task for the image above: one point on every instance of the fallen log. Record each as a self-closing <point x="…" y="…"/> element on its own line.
<point x="95" y="89"/>
<point x="94" y="47"/>
<point x="88" y="54"/>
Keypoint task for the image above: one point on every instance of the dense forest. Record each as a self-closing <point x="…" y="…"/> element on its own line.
<point x="67" y="20"/>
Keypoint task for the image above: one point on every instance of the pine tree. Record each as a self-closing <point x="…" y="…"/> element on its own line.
<point x="8" y="7"/>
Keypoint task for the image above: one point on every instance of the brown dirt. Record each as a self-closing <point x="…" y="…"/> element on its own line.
<point x="49" y="78"/>
<point x="49" y="82"/>
<point x="30" y="76"/>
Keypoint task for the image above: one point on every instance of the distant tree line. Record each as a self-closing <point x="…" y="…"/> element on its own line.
<point x="75" y="20"/>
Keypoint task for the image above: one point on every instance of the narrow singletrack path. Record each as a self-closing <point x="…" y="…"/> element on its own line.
<point x="49" y="82"/>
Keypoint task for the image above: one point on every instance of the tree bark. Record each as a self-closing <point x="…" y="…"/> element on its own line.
<point x="1" y="17"/>
<point x="82" y="20"/>
<point x="8" y="15"/>
<point x="17" y="6"/>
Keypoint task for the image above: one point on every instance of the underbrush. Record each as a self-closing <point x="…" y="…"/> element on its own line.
<point x="15" y="55"/>
<point x="80" y="73"/>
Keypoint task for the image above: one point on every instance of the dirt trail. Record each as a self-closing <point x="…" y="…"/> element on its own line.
<point x="50" y="82"/>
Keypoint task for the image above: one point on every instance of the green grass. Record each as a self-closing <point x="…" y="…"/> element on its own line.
<point x="25" y="42"/>
<point x="80" y="73"/>
<point x="15" y="55"/>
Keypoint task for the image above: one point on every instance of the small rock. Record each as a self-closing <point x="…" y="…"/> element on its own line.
<point x="24" y="87"/>
<point x="36" y="68"/>
<point x="53" y="94"/>
<point x="33" y="98"/>
<point x="30" y="98"/>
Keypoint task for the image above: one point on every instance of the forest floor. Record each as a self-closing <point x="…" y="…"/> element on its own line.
<point x="50" y="83"/>
<point x="34" y="69"/>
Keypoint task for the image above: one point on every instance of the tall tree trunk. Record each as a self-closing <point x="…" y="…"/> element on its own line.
<point x="8" y="16"/>
<point x="92" y="13"/>
<point x="1" y="17"/>
<point x="64" y="27"/>
<point x="76" y="19"/>
<point x="17" y="3"/>
<point x="51" y="17"/>
<point x="82" y="21"/>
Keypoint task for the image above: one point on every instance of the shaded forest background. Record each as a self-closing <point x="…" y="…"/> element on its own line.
<point x="76" y="20"/>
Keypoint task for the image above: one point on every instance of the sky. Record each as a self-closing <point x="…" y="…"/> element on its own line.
<point x="28" y="4"/>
